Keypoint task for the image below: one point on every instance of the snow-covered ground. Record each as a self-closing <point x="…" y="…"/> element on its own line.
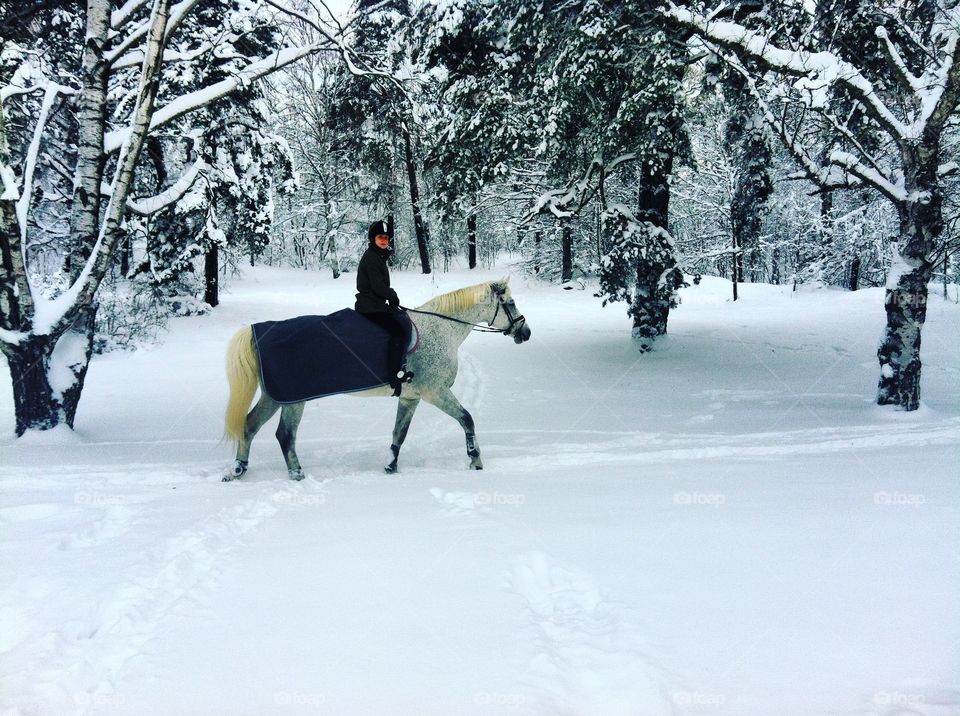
<point x="725" y="526"/>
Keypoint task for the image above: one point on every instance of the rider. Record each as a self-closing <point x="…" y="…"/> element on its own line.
<point x="379" y="303"/>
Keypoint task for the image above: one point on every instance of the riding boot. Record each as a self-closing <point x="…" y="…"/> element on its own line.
<point x="396" y="382"/>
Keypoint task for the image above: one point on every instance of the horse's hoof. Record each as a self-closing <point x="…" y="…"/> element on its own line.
<point x="391" y="467"/>
<point x="296" y="475"/>
<point x="236" y="472"/>
<point x="476" y="467"/>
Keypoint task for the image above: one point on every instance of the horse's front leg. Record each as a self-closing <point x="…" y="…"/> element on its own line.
<point x="261" y="413"/>
<point x="448" y="403"/>
<point x="405" y="411"/>
<point x="287" y="437"/>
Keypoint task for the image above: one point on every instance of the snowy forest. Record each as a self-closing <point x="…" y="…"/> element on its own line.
<point x="149" y="148"/>
<point x="720" y="441"/>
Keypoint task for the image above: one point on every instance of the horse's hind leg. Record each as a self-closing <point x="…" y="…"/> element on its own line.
<point x="405" y="411"/>
<point x="287" y="436"/>
<point x="448" y="403"/>
<point x="261" y="413"/>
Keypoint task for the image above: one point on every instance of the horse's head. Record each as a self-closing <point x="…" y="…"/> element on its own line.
<point x="507" y="316"/>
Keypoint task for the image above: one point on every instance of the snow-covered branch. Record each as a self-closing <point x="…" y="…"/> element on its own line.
<point x="122" y="15"/>
<point x="852" y="165"/>
<point x="816" y="71"/>
<point x="337" y="40"/>
<point x="172" y="194"/>
<point x="199" y="98"/>
<point x="136" y="36"/>
<point x="134" y="58"/>
<point x="568" y="201"/>
<point x="941" y="97"/>
<point x="907" y="79"/>
<point x="23" y="203"/>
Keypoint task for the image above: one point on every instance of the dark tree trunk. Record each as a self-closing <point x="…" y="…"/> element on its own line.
<point x="566" y="268"/>
<point x="657" y="275"/>
<point x="334" y="253"/>
<point x="38" y="403"/>
<point x="906" y="304"/>
<point x="9" y="305"/>
<point x="537" y="241"/>
<point x="750" y="159"/>
<point x="211" y="273"/>
<point x="737" y="264"/>
<point x="472" y="241"/>
<point x="33" y="402"/>
<point x="946" y="272"/>
<point x="81" y="335"/>
<point x="826" y="224"/>
<point x="418" y="224"/>
<point x="125" y="251"/>
<point x="899" y="351"/>
<point x="854" y="283"/>
<point x="390" y="229"/>
<point x="775" y="266"/>
<point x="332" y="250"/>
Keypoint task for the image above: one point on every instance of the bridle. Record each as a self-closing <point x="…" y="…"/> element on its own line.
<point x="501" y="303"/>
<point x="514" y="320"/>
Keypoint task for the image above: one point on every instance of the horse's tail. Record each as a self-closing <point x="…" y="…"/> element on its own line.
<point x="243" y="370"/>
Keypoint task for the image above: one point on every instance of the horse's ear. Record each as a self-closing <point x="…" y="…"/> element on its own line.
<point x="499" y="287"/>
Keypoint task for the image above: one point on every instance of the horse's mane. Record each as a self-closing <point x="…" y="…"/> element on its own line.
<point x="462" y="299"/>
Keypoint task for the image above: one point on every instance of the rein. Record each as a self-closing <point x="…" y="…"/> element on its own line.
<point x="476" y="326"/>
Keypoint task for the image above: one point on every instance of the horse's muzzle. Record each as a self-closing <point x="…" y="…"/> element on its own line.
<point x="522" y="335"/>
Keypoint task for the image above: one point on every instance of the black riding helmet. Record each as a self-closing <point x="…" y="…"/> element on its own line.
<point x="376" y="228"/>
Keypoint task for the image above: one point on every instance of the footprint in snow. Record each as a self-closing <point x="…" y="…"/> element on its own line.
<point x="592" y="657"/>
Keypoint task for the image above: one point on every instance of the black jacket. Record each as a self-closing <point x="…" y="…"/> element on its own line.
<point x="373" y="282"/>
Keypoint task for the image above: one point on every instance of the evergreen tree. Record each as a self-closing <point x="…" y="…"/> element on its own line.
<point x="376" y="115"/>
<point x="574" y="95"/>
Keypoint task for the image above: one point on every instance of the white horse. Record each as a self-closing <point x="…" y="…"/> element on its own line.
<point x="444" y="323"/>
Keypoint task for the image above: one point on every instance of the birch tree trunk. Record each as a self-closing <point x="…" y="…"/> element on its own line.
<point x="91" y="120"/>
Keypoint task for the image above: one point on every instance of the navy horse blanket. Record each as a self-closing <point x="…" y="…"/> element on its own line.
<point x="314" y="356"/>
